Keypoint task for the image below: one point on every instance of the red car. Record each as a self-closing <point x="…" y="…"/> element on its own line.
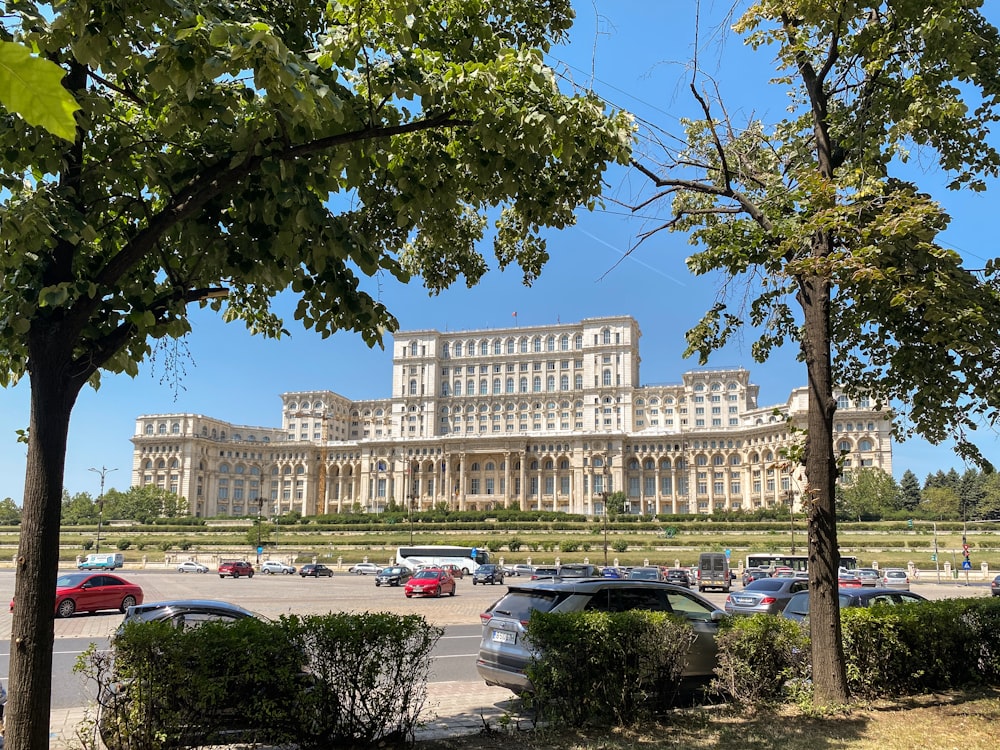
<point x="848" y="580"/>
<point x="92" y="592"/>
<point x="430" y="582"/>
<point x="236" y="569"/>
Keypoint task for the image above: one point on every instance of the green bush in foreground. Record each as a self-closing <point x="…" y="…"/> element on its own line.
<point x="606" y="668"/>
<point x="338" y="680"/>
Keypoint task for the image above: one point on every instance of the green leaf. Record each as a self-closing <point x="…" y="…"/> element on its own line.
<point x="33" y="88"/>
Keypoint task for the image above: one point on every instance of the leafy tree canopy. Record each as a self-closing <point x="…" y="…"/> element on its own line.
<point x="227" y="151"/>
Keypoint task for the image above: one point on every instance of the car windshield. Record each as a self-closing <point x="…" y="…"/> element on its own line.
<point x="428" y="574"/>
<point x="644" y="574"/>
<point x="519" y="604"/>
<point x="392" y="571"/>
<point x="71" y="579"/>
<point x="485" y="568"/>
<point x="765" y="584"/>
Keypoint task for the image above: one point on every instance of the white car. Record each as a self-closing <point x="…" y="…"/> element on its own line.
<point x="190" y="566"/>
<point x="365" y="568"/>
<point x="895" y="578"/>
<point x="273" y="567"/>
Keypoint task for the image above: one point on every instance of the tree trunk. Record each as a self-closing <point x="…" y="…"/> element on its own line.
<point x="32" y="632"/>
<point x="829" y="673"/>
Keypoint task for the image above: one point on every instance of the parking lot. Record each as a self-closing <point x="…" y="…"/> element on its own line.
<point x="275" y="595"/>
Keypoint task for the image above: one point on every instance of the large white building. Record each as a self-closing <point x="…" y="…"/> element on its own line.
<point x="542" y="418"/>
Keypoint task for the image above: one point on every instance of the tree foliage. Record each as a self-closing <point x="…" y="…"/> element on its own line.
<point x="226" y="152"/>
<point x="32" y="88"/>
<point x="838" y="248"/>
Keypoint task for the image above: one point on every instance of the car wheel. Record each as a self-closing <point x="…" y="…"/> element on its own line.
<point x="473" y="581"/>
<point x="266" y="572"/>
<point x="222" y="575"/>
<point x="128" y="601"/>
<point x="453" y="591"/>
<point x="66" y="608"/>
<point x="250" y="574"/>
<point x="409" y="595"/>
<point x="437" y="594"/>
<point x="377" y="584"/>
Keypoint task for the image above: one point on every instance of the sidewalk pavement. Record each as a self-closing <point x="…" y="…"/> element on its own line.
<point x="452" y="709"/>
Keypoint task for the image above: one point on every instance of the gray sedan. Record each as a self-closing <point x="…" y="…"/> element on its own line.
<point x="764" y="596"/>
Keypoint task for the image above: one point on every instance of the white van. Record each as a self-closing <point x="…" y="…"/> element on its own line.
<point x="102" y="561"/>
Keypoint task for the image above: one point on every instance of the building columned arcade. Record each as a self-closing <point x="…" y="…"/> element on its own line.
<point x="538" y="418"/>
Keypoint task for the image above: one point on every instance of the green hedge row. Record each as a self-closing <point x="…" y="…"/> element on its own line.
<point x="338" y="680"/>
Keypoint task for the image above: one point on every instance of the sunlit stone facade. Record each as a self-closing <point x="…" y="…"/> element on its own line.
<point x="547" y="417"/>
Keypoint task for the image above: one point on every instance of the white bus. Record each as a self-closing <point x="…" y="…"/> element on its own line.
<point x="772" y="560"/>
<point x="467" y="558"/>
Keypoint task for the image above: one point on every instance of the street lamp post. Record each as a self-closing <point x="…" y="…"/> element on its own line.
<point x="100" y="504"/>
<point x="411" y="498"/>
<point x="791" y="516"/>
<point x="604" y="499"/>
<point x="260" y="508"/>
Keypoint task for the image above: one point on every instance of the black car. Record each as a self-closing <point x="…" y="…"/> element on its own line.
<point x="488" y="573"/>
<point x="677" y="577"/>
<point x="798" y="606"/>
<point x="315" y="570"/>
<point x="394" y="575"/>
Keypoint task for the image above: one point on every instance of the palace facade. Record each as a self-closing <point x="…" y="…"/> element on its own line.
<point x="539" y="418"/>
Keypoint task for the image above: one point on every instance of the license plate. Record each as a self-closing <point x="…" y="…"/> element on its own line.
<point x="502" y="636"/>
<point x="743" y="600"/>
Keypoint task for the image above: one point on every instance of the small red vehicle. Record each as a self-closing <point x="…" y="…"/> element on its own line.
<point x="430" y="582"/>
<point x="236" y="569"/>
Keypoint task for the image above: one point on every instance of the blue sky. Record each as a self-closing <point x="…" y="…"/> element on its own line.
<point x="637" y="53"/>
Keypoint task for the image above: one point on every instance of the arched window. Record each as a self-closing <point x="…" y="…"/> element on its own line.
<point x="564" y="343"/>
<point x="550" y="383"/>
<point x="536" y="384"/>
<point x="510" y="346"/>
<point x="484" y="387"/>
<point x="606" y="377"/>
<point x="564" y="382"/>
<point x="865" y="445"/>
<point x="578" y="341"/>
<point x="536" y="344"/>
<point x="510" y="385"/>
<point x="413" y="387"/>
<point x="458" y="348"/>
<point x="149" y="429"/>
<point x="524" y="385"/>
<point x="550" y="343"/>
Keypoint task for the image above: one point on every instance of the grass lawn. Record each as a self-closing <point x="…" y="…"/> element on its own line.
<point x="953" y="721"/>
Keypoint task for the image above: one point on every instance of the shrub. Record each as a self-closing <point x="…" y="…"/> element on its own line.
<point x="124" y="544"/>
<point x="514" y="544"/>
<point x="165" y="546"/>
<point x="568" y="546"/>
<point x="88" y="544"/>
<point x="358" y="680"/>
<point x="758" y="656"/>
<point x="619" y="545"/>
<point x="185" y="544"/>
<point x="606" y="668"/>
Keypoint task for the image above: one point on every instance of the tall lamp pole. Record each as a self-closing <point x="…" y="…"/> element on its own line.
<point x="604" y="498"/>
<point x="260" y="508"/>
<point x="791" y="516"/>
<point x="411" y="498"/>
<point x="103" y="471"/>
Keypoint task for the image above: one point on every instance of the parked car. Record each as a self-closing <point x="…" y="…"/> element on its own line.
<point x="713" y="571"/>
<point x="394" y="575"/>
<point x="648" y="573"/>
<point x="504" y="653"/>
<point x="868" y="576"/>
<point x="364" y="569"/>
<point x="488" y="573"/>
<point x="895" y="578"/>
<point x="93" y="592"/>
<point x="678" y="577"/>
<point x="995" y="586"/>
<point x="315" y="570"/>
<point x="798" y="606"/>
<point x="612" y="572"/>
<point x="522" y="569"/>
<point x="190" y="566"/>
<point x="275" y="567"/>
<point x="236" y="569"/>
<point x="767" y="596"/>
<point x="848" y="579"/>
<point x="456" y="572"/>
<point x="578" y="570"/>
<point x="544" y="571"/>
<point x="431" y="582"/>
<point x="187" y="613"/>
<point x="754" y="574"/>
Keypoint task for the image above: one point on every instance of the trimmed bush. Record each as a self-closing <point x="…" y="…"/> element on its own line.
<point x="606" y="668"/>
<point x="758" y="657"/>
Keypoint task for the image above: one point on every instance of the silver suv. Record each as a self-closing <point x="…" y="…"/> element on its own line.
<point x="504" y="654"/>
